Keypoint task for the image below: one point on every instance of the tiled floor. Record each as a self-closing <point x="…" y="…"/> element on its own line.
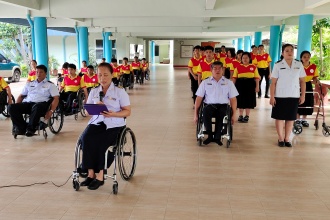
<point x="175" y="178"/>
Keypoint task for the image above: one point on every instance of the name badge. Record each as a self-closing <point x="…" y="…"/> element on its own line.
<point x="209" y="84"/>
<point x="283" y="68"/>
<point x="296" y="68"/>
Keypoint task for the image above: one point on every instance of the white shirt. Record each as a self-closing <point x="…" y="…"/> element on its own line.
<point x="217" y="92"/>
<point x="114" y="99"/>
<point x="39" y="91"/>
<point x="288" y="85"/>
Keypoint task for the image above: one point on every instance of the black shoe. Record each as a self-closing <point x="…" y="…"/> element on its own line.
<point x="240" y="118"/>
<point x="266" y="96"/>
<point x="288" y="144"/>
<point x="305" y="124"/>
<point x="87" y="181"/>
<point x="95" y="184"/>
<point x="246" y="119"/>
<point x="281" y="143"/>
<point x="218" y="142"/>
<point x="18" y="132"/>
<point x="29" y="133"/>
<point x="207" y="140"/>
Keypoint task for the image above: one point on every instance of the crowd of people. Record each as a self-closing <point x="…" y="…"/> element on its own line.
<point x="289" y="80"/>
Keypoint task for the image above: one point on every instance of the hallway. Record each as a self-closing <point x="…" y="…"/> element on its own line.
<point x="174" y="178"/>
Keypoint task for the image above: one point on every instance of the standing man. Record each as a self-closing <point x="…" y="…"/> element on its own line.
<point x="222" y="54"/>
<point x="263" y="64"/>
<point x="204" y="67"/>
<point x="254" y="53"/>
<point x="192" y="70"/>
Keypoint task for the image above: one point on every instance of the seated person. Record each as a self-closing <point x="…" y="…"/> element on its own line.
<point x="218" y="91"/>
<point x="125" y="70"/>
<point x="4" y="93"/>
<point x="90" y="78"/>
<point x="145" y="69"/>
<point x="102" y="130"/>
<point x="37" y="95"/>
<point x="61" y="75"/>
<point x="136" y="67"/>
<point x="116" y="71"/>
<point x="70" y="87"/>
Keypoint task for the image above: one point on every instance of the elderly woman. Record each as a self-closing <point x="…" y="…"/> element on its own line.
<point x="287" y="90"/>
<point x="103" y="129"/>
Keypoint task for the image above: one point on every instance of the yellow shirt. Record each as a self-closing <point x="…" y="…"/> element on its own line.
<point x="72" y="84"/>
<point x="311" y="72"/>
<point x="263" y="60"/>
<point x="3" y="84"/>
<point x="193" y="64"/>
<point x="204" y="68"/>
<point x="246" y="71"/>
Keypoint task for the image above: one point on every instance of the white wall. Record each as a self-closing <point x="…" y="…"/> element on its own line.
<point x="164" y="52"/>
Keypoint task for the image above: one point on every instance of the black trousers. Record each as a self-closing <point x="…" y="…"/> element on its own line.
<point x="35" y="111"/>
<point x="68" y="97"/>
<point x="193" y="87"/>
<point x="128" y="77"/>
<point x="217" y="111"/>
<point x="95" y="140"/>
<point x="263" y="72"/>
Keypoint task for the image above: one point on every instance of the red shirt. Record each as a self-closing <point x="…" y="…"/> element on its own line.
<point x="136" y="65"/>
<point x="83" y="70"/>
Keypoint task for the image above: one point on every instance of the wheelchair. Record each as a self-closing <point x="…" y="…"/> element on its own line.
<point x="227" y="127"/>
<point x="77" y="105"/>
<point x="139" y="76"/>
<point x="124" y="157"/>
<point x="55" y="123"/>
<point x="4" y="103"/>
<point x="127" y="83"/>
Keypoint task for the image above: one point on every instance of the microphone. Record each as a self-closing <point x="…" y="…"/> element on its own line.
<point x="101" y="96"/>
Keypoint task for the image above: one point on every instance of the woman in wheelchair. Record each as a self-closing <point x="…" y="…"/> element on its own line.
<point x="102" y="130"/>
<point x="217" y="92"/>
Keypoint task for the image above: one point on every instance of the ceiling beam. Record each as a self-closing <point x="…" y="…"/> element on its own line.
<point x="29" y="4"/>
<point x="310" y="4"/>
<point x="209" y="4"/>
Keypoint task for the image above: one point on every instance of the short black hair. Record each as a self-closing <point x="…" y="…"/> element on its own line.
<point x="303" y="53"/>
<point x="248" y="54"/>
<point x="209" y="48"/>
<point x="113" y="60"/>
<point x="84" y="61"/>
<point x="107" y="65"/>
<point x="223" y="46"/>
<point x="285" y="46"/>
<point x="261" y="45"/>
<point x="143" y="58"/>
<point x="72" y="66"/>
<point x="253" y="46"/>
<point x="65" y="65"/>
<point x="34" y="61"/>
<point x="217" y="63"/>
<point x="42" y="67"/>
<point x="103" y="58"/>
<point x="125" y="58"/>
<point x="202" y="48"/>
<point x="136" y="57"/>
<point x="90" y="67"/>
<point x="197" y="47"/>
<point x="239" y="51"/>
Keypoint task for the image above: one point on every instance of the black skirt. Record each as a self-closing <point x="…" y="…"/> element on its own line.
<point x="246" y="88"/>
<point x="309" y="101"/>
<point x="95" y="140"/>
<point x="285" y="109"/>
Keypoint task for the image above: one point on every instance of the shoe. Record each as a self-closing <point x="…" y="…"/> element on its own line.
<point x="266" y="96"/>
<point x="29" y="133"/>
<point x="207" y="140"/>
<point x="297" y="122"/>
<point x="87" y="181"/>
<point x="246" y="119"/>
<point x="288" y="144"/>
<point x="281" y="143"/>
<point x="240" y="118"/>
<point x="18" y="132"/>
<point x="305" y="124"/>
<point x="218" y="142"/>
<point x="95" y="184"/>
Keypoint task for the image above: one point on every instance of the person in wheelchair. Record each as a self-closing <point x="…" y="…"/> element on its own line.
<point x="218" y="92"/>
<point x="102" y="130"/>
<point x="38" y="94"/>
<point x="116" y="71"/>
<point x="136" y="68"/>
<point x="126" y="72"/>
<point x="90" y="78"/>
<point x="145" y="69"/>
<point x="4" y="93"/>
<point x="70" y="87"/>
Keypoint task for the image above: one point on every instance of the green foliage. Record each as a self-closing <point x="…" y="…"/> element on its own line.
<point x="53" y="62"/>
<point x="24" y="70"/>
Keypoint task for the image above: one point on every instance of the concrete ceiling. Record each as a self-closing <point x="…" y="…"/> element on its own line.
<point x="169" y="19"/>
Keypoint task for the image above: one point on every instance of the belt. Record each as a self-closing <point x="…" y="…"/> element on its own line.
<point x="216" y="106"/>
<point x="264" y="68"/>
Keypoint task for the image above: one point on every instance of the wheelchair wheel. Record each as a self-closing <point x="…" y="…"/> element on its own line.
<point x="115" y="188"/>
<point x="55" y="122"/>
<point x="75" y="185"/>
<point x="228" y="144"/>
<point x="326" y="131"/>
<point x="127" y="154"/>
<point x="5" y="111"/>
<point x="297" y="129"/>
<point x="81" y="98"/>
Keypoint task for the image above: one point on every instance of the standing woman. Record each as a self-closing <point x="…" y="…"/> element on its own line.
<point x="32" y="74"/>
<point x="229" y="62"/>
<point x="311" y="76"/>
<point x="246" y="79"/>
<point x="287" y="90"/>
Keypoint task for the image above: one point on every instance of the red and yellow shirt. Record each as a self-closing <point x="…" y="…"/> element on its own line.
<point x="32" y="76"/>
<point x="3" y="84"/>
<point x="254" y="58"/>
<point x="193" y="64"/>
<point x="263" y="60"/>
<point x="311" y="72"/>
<point x="136" y="65"/>
<point x="116" y="71"/>
<point x="236" y="63"/>
<point x="222" y="56"/>
<point x="65" y="72"/>
<point x="90" y="81"/>
<point x="144" y="66"/>
<point x="126" y="69"/>
<point x="229" y="63"/>
<point x="246" y="71"/>
<point x="72" y="84"/>
<point x="204" y="68"/>
<point x="83" y="70"/>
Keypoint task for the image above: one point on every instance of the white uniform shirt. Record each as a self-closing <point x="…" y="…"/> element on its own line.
<point x="288" y="85"/>
<point x="217" y="92"/>
<point x="114" y="99"/>
<point x="39" y="91"/>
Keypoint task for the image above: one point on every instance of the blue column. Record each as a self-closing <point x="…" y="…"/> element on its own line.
<point x="152" y="51"/>
<point x="78" y="46"/>
<point x="274" y="44"/>
<point x="107" y="50"/>
<point x="240" y="44"/>
<point x="32" y="37"/>
<point x="305" y="33"/>
<point x="257" y="38"/>
<point x="64" y="47"/>
<point x="41" y="41"/>
<point x="234" y="44"/>
<point x="247" y="43"/>
<point x="83" y="45"/>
